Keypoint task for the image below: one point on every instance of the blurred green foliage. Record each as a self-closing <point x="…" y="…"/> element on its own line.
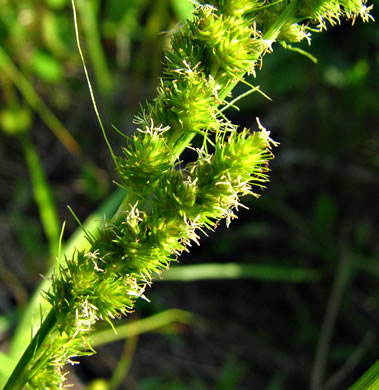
<point x="321" y="205"/>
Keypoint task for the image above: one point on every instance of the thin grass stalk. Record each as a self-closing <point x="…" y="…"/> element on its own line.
<point x="91" y="28"/>
<point x="43" y="197"/>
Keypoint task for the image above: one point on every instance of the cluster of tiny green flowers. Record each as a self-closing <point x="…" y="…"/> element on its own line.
<point x="170" y="202"/>
<point x="147" y="151"/>
<point x="332" y="11"/>
<point x="48" y="364"/>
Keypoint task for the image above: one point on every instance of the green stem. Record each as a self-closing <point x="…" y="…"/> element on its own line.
<point x="77" y="242"/>
<point x="90" y="84"/>
<point x="144" y="325"/>
<point x="102" y="73"/>
<point x="369" y="380"/>
<point x="42" y="196"/>
<point x="129" y="199"/>
<point x="22" y="372"/>
<point x="21" y="375"/>
<point x="286" y="17"/>
<point x="238" y="271"/>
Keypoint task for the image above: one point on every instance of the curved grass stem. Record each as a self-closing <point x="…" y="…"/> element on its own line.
<point x="25" y="367"/>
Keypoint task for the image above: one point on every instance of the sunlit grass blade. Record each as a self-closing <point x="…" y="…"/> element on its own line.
<point x="43" y="196"/>
<point x="124" y="363"/>
<point x="240" y="271"/>
<point x="7" y="364"/>
<point x="369" y="380"/>
<point x="149" y="324"/>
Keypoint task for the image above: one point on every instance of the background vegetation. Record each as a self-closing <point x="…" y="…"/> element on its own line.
<point x="306" y="253"/>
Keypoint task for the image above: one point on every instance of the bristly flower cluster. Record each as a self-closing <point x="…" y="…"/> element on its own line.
<point x="333" y="11"/>
<point x="169" y="203"/>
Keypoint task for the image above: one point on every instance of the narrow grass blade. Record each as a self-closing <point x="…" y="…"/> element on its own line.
<point x="42" y="196"/>
<point x="132" y="329"/>
<point x="7" y="365"/>
<point x="240" y="271"/>
<point x="369" y="380"/>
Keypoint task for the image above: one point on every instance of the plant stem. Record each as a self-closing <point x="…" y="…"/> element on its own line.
<point x="143" y="325"/>
<point x="88" y="289"/>
<point x="328" y="324"/>
<point x="76" y="242"/>
<point x="286" y="17"/>
<point x="367" y="342"/>
<point x="102" y="73"/>
<point x="239" y="271"/>
<point x="43" y="196"/>
<point x="20" y="375"/>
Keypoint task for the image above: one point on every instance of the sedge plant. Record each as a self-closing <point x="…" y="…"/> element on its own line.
<point x="169" y="203"/>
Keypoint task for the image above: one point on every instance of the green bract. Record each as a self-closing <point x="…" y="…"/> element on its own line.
<point x="169" y="202"/>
